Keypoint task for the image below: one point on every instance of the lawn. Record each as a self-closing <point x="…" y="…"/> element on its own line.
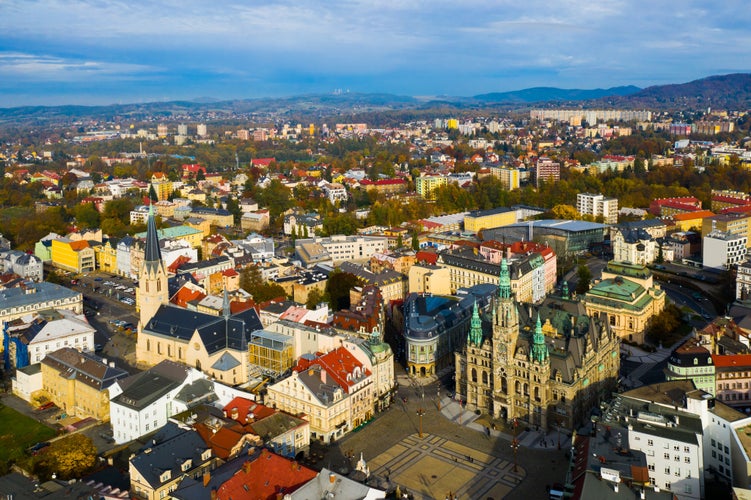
<point x="18" y="432"/>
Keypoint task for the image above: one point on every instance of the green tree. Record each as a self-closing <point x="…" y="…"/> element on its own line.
<point x="86" y="216"/>
<point x="315" y="297"/>
<point x="252" y="282"/>
<point x="152" y="194"/>
<point x="585" y="277"/>
<point x="337" y="289"/>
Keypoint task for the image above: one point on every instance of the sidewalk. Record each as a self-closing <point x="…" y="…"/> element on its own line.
<point x="529" y="439"/>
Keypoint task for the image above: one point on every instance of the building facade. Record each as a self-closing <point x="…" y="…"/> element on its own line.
<point x="547" y="367"/>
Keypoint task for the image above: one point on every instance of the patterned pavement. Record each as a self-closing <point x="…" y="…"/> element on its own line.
<point x="431" y="467"/>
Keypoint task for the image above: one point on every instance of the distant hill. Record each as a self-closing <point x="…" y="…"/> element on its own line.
<point x="723" y="91"/>
<point x="546" y="94"/>
<point x="731" y="91"/>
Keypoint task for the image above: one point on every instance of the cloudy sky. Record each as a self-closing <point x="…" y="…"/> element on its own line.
<point x="109" y="51"/>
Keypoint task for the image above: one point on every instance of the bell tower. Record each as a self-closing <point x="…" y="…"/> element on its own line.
<point x="152" y="279"/>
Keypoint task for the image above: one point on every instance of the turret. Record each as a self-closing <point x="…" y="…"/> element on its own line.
<point x="475" y="330"/>
<point x="539" y="352"/>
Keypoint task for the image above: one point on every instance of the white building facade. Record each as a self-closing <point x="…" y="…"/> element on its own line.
<point x="723" y="250"/>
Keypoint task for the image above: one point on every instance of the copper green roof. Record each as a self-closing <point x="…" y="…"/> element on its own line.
<point x="620" y="292"/>
<point x="628" y="269"/>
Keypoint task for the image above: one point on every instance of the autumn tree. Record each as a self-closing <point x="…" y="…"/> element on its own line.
<point x="338" y="287"/>
<point x="251" y="280"/>
<point x="315" y="297"/>
<point x="68" y="458"/>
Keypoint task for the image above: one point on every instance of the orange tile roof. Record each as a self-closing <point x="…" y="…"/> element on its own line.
<point x="185" y="295"/>
<point x="701" y="214"/>
<point x="265" y="478"/>
<point x="79" y="245"/>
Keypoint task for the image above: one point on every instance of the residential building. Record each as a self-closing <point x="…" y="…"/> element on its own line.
<point x="546" y="366"/>
<point x="106" y="256"/>
<point x="28" y="298"/>
<point x="175" y="453"/>
<point x="391" y="284"/>
<point x="216" y="216"/>
<point x="734" y="223"/>
<point x="743" y="281"/>
<point x="333" y="388"/>
<point x="724" y="250"/>
<point x="385" y="186"/>
<point x="691" y="220"/>
<point x="509" y="176"/>
<point x="302" y="225"/>
<point x="726" y="198"/>
<point x="329" y="483"/>
<point x="78" y="382"/>
<point x="189" y="234"/>
<point x="547" y="170"/>
<point x="142" y="403"/>
<point x="340" y="248"/>
<point x="597" y="205"/>
<point x="426" y="184"/>
<point x="530" y="272"/>
<point x="671" y="437"/>
<point x="22" y="264"/>
<point x="429" y="279"/>
<point x="692" y="360"/>
<point x="636" y="246"/>
<point x="670" y="206"/>
<point x="334" y="192"/>
<point x="73" y="256"/>
<point x="255" y="221"/>
<point x="733" y="374"/>
<point x="28" y="339"/>
<point x="162" y="185"/>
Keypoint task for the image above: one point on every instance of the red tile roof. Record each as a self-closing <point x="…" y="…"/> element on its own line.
<point x="240" y="408"/>
<point x="265" y="478"/>
<point x="732" y="360"/>
<point x="339" y="364"/>
<point x="429" y="257"/>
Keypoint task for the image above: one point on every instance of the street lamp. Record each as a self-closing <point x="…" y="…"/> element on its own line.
<point x="420" y="413"/>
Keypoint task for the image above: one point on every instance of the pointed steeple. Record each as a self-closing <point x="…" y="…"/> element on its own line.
<point x="539" y="351"/>
<point x="152" y="255"/>
<point x="504" y="281"/>
<point x="475" y="329"/>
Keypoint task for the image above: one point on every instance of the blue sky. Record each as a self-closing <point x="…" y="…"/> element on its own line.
<point x="110" y="51"/>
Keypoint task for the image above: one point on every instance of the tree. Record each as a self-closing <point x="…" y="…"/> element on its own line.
<point x="70" y="457"/>
<point x="338" y="287"/>
<point x="567" y="212"/>
<point x="585" y="277"/>
<point x="252" y="282"/>
<point x="415" y="242"/>
<point x="86" y="215"/>
<point x="315" y="297"/>
<point x="152" y="194"/>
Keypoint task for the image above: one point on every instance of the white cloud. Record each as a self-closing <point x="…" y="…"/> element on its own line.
<point x="30" y="67"/>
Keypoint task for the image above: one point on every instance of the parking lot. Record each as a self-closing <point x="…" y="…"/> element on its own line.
<point x="109" y="305"/>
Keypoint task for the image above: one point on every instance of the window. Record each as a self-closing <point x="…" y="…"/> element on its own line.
<point x="667" y="470"/>
<point x="686" y="449"/>
<point x="650" y="442"/>
<point x="651" y="467"/>
<point x="687" y="460"/>
<point x="666" y="456"/>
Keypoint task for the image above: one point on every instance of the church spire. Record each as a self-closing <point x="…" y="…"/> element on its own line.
<point x="504" y="281"/>
<point x="152" y="255"/>
<point x="539" y="351"/>
<point x="475" y="329"/>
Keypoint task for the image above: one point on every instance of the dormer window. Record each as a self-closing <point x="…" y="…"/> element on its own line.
<point x="186" y="465"/>
<point x="166" y="475"/>
<point x="206" y="454"/>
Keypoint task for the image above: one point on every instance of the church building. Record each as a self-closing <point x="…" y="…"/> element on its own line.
<point x="215" y="345"/>
<point x="546" y="366"/>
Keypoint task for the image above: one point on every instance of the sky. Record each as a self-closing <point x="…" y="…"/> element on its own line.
<point x="116" y="51"/>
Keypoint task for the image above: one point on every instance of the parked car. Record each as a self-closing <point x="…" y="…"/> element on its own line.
<point x="46" y="406"/>
<point x="39" y="447"/>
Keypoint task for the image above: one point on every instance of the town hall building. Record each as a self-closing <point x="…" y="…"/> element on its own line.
<point x="545" y="365"/>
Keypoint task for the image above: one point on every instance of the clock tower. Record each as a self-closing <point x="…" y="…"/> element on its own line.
<point x="505" y="334"/>
<point x="152" y="280"/>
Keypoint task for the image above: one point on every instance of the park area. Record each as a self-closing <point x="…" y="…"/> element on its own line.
<point x="17" y="433"/>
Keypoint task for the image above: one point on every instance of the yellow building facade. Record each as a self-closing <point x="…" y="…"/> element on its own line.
<point x="77" y="382"/>
<point x="74" y="256"/>
<point x="477" y="220"/>
<point x="106" y="257"/>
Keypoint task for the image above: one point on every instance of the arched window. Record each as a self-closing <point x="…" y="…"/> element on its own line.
<point x="504" y="385"/>
<point x="537" y="393"/>
<point x="526" y="389"/>
<point x="518" y="387"/>
<point x="474" y="375"/>
<point x="484" y="377"/>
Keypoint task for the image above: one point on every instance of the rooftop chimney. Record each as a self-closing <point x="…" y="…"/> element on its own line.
<point x="206" y="478"/>
<point x="332" y="478"/>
